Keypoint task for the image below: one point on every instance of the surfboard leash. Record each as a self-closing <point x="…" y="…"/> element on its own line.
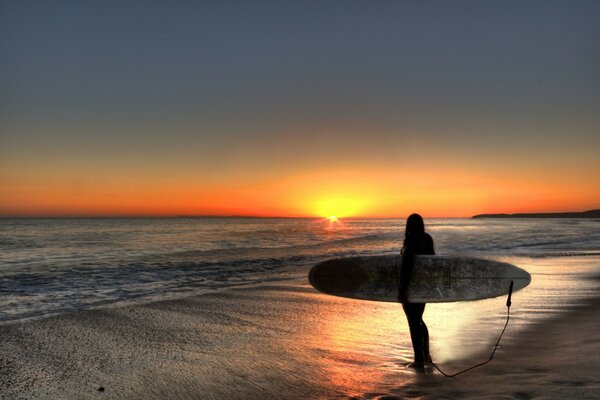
<point x="508" y="304"/>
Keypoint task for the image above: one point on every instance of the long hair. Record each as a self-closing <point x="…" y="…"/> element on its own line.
<point x="415" y="227"/>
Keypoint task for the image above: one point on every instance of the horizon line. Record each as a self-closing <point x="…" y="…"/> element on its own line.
<point x="91" y="216"/>
<point x="200" y="216"/>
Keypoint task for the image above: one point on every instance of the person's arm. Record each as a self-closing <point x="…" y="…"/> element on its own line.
<point x="431" y="249"/>
<point x="408" y="258"/>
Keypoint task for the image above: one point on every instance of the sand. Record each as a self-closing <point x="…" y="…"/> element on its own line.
<point x="283" y="342"/>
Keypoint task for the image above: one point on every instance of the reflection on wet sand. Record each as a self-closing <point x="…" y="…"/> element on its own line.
<point x="366" y="346"/>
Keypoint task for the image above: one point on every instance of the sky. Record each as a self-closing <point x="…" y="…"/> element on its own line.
<point x="307" y="108"/>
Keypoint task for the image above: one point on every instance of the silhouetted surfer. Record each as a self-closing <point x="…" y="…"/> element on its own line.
<point x="416" y="241"/>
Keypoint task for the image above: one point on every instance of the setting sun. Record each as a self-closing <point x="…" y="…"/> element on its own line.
<point x="332" y="218"/>
<point x="338" y="206"/>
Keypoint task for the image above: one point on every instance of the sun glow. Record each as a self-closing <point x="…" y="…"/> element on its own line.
<point x="338" y="207"/>
<point x="350" y="193"/>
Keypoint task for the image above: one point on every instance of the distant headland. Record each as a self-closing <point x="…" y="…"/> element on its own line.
<point x="582" y="214"/>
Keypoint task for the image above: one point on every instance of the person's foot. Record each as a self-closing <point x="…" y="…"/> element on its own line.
<point x="418" y="365"/>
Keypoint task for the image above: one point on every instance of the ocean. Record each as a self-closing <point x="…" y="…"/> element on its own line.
<point x="53" y="265"/>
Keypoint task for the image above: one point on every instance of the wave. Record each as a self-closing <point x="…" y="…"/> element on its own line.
<point x="91" y="285"/>
<point x="566" y="254"/>
<point x="252" y="252"/>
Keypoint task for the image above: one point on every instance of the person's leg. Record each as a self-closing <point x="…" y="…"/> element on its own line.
<point x="413" y="315"/>
<point x="425" y="336"/>
<point x="420" y="308"/>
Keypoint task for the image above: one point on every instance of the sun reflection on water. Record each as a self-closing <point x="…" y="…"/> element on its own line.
<point x="359" y="337"/>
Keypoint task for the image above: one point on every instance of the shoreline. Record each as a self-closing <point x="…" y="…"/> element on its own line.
<point x="220" y="345"/>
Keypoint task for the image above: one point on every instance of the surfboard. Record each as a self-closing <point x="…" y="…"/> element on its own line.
<point x="435" y="279"/>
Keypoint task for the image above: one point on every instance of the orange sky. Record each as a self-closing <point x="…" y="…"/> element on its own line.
<point x="344" y="193"/>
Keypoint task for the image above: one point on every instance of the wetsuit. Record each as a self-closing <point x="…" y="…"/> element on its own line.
<point x="422" y="244"/>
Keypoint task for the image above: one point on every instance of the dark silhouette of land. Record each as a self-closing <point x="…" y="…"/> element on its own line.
<point x="582" y="214"/>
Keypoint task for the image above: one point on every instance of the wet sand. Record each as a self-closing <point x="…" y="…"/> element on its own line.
<point x="284" y="342"/>
<point x="556" y="359"/>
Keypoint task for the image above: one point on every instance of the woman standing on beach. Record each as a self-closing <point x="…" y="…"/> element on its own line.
<point x="416" y="241"/>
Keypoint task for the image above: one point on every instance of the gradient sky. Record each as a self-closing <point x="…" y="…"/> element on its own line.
<point x="369" y="108"/>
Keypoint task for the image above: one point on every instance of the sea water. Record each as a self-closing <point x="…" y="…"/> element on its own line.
<point x="54" y="265"/>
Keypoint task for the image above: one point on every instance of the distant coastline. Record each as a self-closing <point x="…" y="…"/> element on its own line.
<point x="582" y="214"/>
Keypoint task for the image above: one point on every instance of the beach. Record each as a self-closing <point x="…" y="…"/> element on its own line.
<point x="287" y="341"/>
<point x="222" y="309"/>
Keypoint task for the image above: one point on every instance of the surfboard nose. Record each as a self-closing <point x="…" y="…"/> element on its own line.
<point x="520" y="277"/>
